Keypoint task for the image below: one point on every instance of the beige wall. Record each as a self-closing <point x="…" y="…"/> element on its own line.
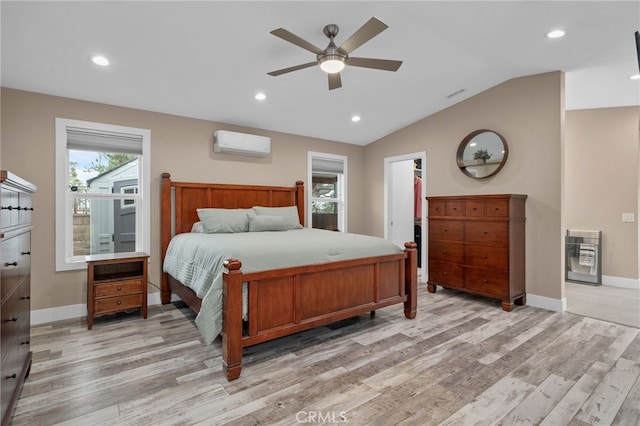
<point x="601" y="166"/>
<point x="528" y="112"/>
<point x="181" y="146"/>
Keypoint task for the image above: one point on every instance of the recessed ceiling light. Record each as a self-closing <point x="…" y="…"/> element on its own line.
<point x="260" y="96"/>
<point x="635" y="77"/>
<point x="555" y="34"/>
<point x="355" y="118"/>
<point x="100" y="60"/>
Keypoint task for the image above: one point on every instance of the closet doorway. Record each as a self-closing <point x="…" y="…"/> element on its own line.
<point x="404" y="202"/>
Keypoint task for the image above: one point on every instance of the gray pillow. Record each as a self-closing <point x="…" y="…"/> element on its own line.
<point x="267" y="223"/>
<point x="289" y="213"/>
<point x="224" y="220"/>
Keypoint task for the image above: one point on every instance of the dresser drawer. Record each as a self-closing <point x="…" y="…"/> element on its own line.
<point x="487" y="233"/>
<point x="436" y="208"/>
<point x="446" y="251"/>
<point x="9" y="327"/>
<point x="119" y="288"/>
<point x="445" y="274"/>
<point x="10" y="271"/>
<point x="454" y="208"/>
<point x="117" y="304"/>
<point x="497" y="208"/>
<point x="474" y="208"/>
<point x="450" y="230"/>
<point x="8" y="382"/>
<point x="486" y="256"/>
<point x="488" y="282"/>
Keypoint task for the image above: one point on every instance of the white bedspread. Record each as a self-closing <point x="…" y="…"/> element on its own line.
<point x="197" y="259"/>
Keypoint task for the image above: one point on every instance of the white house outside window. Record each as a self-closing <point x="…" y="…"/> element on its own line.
<point x="102" y="191"/>
<point x="327" y="197"/>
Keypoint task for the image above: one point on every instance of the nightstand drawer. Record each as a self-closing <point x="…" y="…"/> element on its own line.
<point x="116" y="304"/>
<point x="119" y="288"/>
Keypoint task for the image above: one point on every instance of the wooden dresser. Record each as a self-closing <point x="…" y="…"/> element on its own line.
<point x="477" y="245"/>
<point x="15" y="276"/>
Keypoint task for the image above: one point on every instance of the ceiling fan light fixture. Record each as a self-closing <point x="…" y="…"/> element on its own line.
<point x="332" y="63"/>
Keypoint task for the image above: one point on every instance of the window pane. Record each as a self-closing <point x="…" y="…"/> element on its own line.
<point x="325" y="215"/>
<point x="97" y="171"/>
<point x="104" y="226"/>
<point x="325" y="186"/>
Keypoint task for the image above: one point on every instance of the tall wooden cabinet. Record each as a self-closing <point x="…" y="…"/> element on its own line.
<point x="16" y="209"/>
<point x="477" y="245"/>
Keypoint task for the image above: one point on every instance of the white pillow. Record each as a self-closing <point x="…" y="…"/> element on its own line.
<point x="267" y="223"/>
<point x="224" y="220"/>
<point x="197" y="227"/>
<point x="290" y="214"/>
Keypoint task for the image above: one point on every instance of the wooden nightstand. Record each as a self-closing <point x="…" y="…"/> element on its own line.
<point x="116" y="282"/>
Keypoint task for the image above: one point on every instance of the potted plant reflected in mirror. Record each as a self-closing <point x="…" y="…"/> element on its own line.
<point x="481" y="156"/>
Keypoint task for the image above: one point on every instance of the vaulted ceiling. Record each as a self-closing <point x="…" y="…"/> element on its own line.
<point x="208" y="59"/>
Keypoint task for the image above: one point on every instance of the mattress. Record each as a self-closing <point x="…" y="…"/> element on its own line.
<point x="196" y="260"/>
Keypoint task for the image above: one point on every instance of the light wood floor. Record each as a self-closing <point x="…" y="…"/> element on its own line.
<point x="462" y="361"/>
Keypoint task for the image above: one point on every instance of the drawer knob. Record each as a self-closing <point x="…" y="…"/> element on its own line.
<point x="25" y="253"/>
<point x="119" y="288"/>
<point x="484" y="281"/>
<point x="444" y="273"/>
<point x="446" y="230"/>
<point x="485" y="232"/>
<point x="119" y="302"/>
<point x="11" y="264"/>
<point x="475" y="208"/>
<point x="484" y="257"/>
<point x="13" y="376"/>
<point x="444" y="251"/>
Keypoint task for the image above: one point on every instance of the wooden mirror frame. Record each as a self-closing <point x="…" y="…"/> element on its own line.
<point x="471" y="170"/>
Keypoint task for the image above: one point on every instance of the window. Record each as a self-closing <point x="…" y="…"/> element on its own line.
<point x="102" y="191"/>
<point x="327" y="198"/>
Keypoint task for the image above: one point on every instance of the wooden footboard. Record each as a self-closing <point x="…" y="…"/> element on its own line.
<point x="289" y="300"/>
<point x="286" y="301"/>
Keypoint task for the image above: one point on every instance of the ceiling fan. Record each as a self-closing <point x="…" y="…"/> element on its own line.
<point x="333" y="59"/>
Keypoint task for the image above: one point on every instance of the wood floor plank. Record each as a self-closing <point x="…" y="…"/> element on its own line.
<point x="462" y="361"/>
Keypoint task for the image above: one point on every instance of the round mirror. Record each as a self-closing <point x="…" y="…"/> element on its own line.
<point x="482" y="154"/>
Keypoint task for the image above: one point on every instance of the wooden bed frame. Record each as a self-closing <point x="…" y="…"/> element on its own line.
<point x="332" y="291"/>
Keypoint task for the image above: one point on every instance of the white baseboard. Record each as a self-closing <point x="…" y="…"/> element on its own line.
<point x="621" y="282"/>
<point x="548" y="303"/>
<point x="41" y="316"/>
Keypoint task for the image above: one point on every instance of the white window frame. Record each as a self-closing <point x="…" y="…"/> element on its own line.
<point x="65" y="261"/>
<point x="342" y="200"/>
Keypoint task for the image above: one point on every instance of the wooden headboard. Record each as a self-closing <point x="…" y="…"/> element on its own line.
<point x="179" y="201"/>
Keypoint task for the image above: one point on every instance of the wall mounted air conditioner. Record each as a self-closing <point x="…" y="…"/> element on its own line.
<point x="241" y="143"/>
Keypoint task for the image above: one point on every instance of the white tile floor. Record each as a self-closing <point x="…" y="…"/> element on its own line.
<point x="619" y="305"/>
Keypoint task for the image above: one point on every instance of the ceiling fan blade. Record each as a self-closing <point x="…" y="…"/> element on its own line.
<point x="379" y="64"/>
<point x="369" y="30"/>
<point x="295" y="68"/>
<point x="334" y="81"/>
<point x="292" y="38"/>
